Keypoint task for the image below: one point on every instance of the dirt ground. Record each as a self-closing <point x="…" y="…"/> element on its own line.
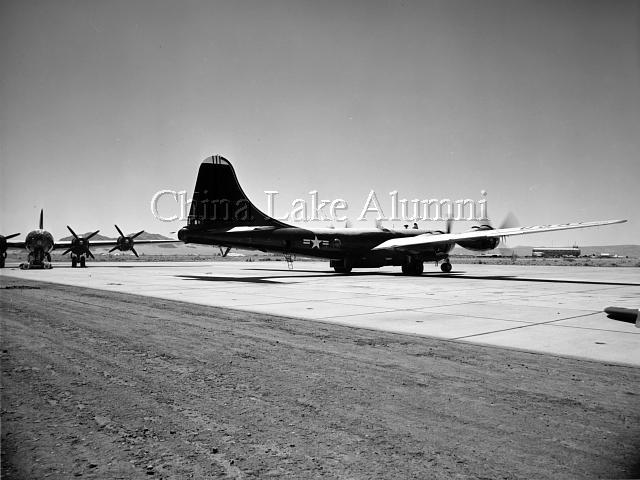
<point x="103" y="385"/>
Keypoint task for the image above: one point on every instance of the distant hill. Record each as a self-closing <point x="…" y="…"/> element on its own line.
<point x="150" y="236"/>
<point x="97" y="237"/>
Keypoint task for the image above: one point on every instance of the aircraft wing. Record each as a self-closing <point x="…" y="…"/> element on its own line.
<point x="59" y="244"/>
<point x="112" y="243"/>
<point x="435" y="239"/>
<point x="15" y="245"/>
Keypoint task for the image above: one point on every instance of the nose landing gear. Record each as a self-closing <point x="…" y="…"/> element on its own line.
<point x="445" y="266"/>
<point x="37" y="260"/>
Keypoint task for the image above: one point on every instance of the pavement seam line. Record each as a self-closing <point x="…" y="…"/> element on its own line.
<point x="523" y="326"/>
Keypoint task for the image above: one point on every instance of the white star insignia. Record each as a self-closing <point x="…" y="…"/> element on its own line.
<point x="315" y="243"/>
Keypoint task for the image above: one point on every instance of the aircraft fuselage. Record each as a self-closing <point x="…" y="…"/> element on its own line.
<point x="39" y="244"/>
<point x="345" y="244"/>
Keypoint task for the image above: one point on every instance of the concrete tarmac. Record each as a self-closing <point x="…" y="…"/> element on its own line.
<point x="553" y="310"/>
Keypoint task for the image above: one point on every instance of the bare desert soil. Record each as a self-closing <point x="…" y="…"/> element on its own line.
<point x="102" y="385"/>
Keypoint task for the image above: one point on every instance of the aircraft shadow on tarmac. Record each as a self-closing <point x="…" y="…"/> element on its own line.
<point x="452" y="275"/>
<point x="513" y="278"/>
<point x="269" y="280"/>
<point x="273" y="279"/>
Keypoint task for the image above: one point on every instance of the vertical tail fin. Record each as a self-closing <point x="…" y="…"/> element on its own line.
<point x="219" y="202"/>
<point x="41" y="227"/>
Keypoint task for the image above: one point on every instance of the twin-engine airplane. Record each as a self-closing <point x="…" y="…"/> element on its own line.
<point x="221" y="214"/>
<point x="39" y="243"/>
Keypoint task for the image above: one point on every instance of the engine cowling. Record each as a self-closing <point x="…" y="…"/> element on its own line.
<point x="480" y="244"/>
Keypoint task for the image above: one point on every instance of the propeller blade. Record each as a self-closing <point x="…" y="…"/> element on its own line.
<point x="90" y="254"/>
<point x="114" y="248"/>
<point x="41" y="218"/>
<point x="449" y="224"/>
<point x="72" y="232"/>
<point x="134" y="252"/>
<point x="94" y="233"/>
<point x="11" y="236"/>
<point x="119" y="231"/>
<point x="139" y="233"/>
<point x="66" y="251"/>
<point x="510" y="221"/>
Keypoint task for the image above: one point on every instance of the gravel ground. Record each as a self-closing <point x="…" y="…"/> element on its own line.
<point x="104" y="385"/>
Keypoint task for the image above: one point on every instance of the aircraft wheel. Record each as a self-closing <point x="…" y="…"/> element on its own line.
<point x="1" y="262"/>
<point x="74" y="262"/>
<point x="445" y="267"/>
<point x="83" y="262"/>
<point x="342" y="269"/>
<point x="413" y="268"/>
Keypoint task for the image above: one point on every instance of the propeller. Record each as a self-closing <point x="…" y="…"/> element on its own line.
<point x="125" y="243"/>
<point x="3" y="241"/>
<point x="509" y="221"/>
<point x="80" y="245"/>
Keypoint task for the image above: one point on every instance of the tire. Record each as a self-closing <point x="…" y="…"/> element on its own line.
<point x="74" y="262"/>
<point x="342" y="269"/>
<point x="445" y="267"/>
<point x="413" y="268"/>
<point x="83" y="262"/>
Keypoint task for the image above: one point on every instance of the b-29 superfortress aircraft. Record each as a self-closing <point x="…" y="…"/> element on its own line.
<point x="221" y="214"/>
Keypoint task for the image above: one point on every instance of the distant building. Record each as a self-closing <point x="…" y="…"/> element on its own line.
<point x="557" y="252"/>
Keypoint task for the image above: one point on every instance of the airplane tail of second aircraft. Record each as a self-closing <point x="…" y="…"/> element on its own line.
<point x="219" y="202"/>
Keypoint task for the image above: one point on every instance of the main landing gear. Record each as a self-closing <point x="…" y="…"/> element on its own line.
<point x="413" y="267"/>
<point x="78" y="261"/>
<point x="341" y="266"/>
<point x="342" y="269"/>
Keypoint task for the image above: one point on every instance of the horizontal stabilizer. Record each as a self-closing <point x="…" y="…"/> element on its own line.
<point x="257" y="228"/>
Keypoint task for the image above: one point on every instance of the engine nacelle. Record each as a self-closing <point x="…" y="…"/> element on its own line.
<point x="479" y="244"/>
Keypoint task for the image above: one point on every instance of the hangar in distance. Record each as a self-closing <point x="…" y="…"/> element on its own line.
<point x="221" y="214"/>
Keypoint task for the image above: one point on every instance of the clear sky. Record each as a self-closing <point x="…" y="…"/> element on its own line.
<point x="104" y="103"/>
